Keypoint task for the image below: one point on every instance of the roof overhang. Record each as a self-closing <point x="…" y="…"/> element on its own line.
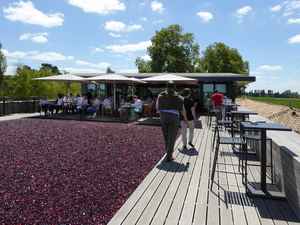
<point x="201" y="77"/>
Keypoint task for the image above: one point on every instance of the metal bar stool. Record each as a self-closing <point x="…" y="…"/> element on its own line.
<point x="250" y="141"/>
<point x="222" y="140"/>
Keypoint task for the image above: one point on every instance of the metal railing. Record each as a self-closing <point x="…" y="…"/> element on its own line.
<point x="10" y="105"/>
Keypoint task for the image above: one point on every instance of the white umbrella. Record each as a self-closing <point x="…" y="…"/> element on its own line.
<point x="68" y="78"/>
<point x="170" y="77"/>
<point x="64" y="77"/>
<point x="115" y="79"/>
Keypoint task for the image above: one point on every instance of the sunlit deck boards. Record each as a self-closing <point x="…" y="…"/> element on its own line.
<point x="179" y="193"/>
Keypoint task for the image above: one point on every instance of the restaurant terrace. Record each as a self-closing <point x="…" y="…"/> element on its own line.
<point x="243" y="169"/>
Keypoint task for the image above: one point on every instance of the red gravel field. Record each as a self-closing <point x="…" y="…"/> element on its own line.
<point x="67" y="172"/>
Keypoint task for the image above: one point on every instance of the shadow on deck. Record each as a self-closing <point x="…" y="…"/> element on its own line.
<point x="179" y="193"/>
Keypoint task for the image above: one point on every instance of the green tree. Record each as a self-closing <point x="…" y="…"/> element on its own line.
<point x="109" y="70"/>
<point x="143" y="65"/>
<point x="220" y="58"/>
<point x="49" y="67"/>
<point x="171" y="50"/>
<point x="3" y="66"/>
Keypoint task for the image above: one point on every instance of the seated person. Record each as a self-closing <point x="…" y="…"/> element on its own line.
<point x="107" y="105"/>
<point x="137" y="104"/>
<point x="78" y="103"/>
<point x="44" y="105"/>
<point x="94" y="107"/>
<point x="58" y="105"/>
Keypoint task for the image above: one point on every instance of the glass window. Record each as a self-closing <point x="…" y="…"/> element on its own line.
<point x="221" y="88"/>
<point x="208" y="88"/>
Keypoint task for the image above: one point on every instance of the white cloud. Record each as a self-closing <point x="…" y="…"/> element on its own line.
<point x="146" y="57"/>
<point x="118" y="26"/>
<point x="295" y="39"/>
<point x="157" y="6"/>
<point x="37" y="56"/>
<point x="101" y="65"/>
<point x="97" y="50"/>
<point x="35" y="37"/>
<point x="276" y="8"/>
<point x="291" y="7"/>
<point x="288" y="7"/>
<point x="11" y="70"/>
<point x="269" y="68"/>
<point x="294" y="21"/>
<point x="114" y="35"/>
<point x="205" y="16"/>
<point x="99" y="6"/>
<point x="140" y="46"/>
<point x="83" y="70"/>
<point x="127" y="70"/>
<point x="155" y="22"/>
<point x="26" y="12"/>
<point x="242" y="12"/>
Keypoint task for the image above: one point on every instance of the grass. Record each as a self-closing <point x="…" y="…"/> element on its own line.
<point x="291" y="102"/>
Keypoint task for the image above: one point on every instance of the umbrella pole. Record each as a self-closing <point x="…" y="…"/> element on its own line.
<point x="68" y="88"/>
<point x="115" y="97"/>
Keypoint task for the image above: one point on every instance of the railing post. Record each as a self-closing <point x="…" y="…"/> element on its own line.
<point x="3" y="108"/>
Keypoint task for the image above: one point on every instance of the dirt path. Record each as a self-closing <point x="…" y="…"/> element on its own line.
<point x="277" y="113"/>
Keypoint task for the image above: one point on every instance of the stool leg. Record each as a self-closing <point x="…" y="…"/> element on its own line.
<point x="214" y="139"/>
<point x="214" y="165"/>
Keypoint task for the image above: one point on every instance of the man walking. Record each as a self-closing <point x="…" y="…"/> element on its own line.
<point x="170" y="105"/>
<point x="217" y="99"/>
<point x="190" y="106"/>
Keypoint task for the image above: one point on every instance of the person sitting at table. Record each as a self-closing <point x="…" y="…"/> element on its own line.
<point x="217" y="100"/>
<point x="92" y="109"/>
<point x="58" y="104"/>
<point x="107" y="105"/>
<point x="137" y="105"/>
<point x="78" y="103"/>
<point x="44" y="105"/>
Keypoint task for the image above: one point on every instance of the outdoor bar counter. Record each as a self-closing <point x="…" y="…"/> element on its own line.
<point x="286" y="159"/>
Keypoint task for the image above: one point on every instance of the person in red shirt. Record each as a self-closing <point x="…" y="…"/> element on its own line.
<point x="217" y="100"/>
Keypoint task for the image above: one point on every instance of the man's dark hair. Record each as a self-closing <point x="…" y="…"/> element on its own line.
<point x="186" y="92"/>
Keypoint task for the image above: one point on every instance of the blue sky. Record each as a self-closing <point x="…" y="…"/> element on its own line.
<point x="89" y="35"/>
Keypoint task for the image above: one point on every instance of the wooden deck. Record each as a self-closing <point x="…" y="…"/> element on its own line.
<point x="179" y="193"/>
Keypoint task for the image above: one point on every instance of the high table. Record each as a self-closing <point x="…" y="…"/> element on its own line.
<point x="242" y="113"/>
<point x="253" y="190"/>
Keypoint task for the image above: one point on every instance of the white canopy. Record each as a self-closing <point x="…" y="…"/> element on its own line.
<point x="64" y="77"/>
<point x="114" y="78"/>
<point x="170" y="77"/>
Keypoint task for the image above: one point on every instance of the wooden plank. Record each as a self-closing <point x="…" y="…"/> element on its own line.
<point x="226" y="213"/>
<point x="200" y="213"/>
<point x="153" y="206"/>
<point x="177" y="204"/>
<point x="272" y="211"/>
<point x="213" y="208"/>
<point x="148" y="194"/>
<point x="138" y="193"/>
<point x="237" y="208"/>
<point x="187" y="213"/>
<point x="163" y="210"/>
<point x="265" y="216"/>
<point x="249" y="209"/>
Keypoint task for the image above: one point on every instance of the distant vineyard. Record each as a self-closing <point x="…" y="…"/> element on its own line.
<point x="291" y="102"/>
